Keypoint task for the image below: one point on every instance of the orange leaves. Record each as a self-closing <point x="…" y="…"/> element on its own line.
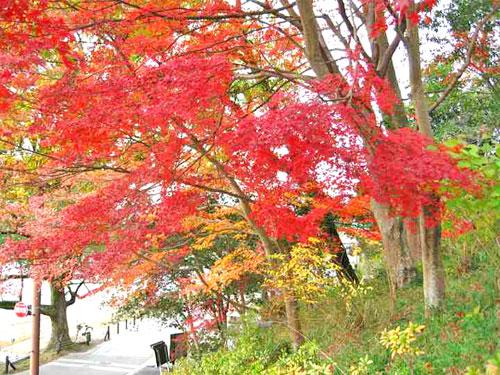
<point x="141" y="269"/>
<point x="233" y="268"/>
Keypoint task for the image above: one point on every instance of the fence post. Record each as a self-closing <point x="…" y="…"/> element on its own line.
<point x="8" y="364"/>
<point x="107" y="336"/>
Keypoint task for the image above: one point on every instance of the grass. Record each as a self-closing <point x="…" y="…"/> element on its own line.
<point x="464" y="333"/>
<point x="457" y="340"/>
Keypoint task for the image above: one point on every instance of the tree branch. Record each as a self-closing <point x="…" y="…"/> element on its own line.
<point x="386" y="58"/>
<point x="73" y="294"/>
<point x="468" y="59"/>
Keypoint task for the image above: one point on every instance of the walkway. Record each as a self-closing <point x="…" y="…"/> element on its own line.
<point x="126" y="354"/>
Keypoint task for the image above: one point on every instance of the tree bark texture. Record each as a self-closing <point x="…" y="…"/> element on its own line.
<point x="430" y="235"/>
<point x="399" y="246"/>
<point x="293" y="321"/>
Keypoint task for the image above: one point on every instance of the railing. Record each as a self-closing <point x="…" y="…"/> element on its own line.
<point x="11" y="364"/>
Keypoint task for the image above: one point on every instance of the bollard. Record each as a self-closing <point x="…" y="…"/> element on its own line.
<point x="107" y="336"/>
<point x="118" y="328"/>
<point x="126" y="324"/>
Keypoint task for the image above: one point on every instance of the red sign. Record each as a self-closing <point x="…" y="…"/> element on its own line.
<point x="21" y="309"/>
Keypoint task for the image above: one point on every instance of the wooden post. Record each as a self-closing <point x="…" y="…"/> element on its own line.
<point x="35" y="330"/>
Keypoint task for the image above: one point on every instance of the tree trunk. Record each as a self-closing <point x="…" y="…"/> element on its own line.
<point x="345" y="270"/>
<point x="268" y="245"/>
<point x="397" y="248"/>
<point x="293" y="321"/>
<point x="432" y="264"/>
<point x="434" y="277"/>
<point x="57" y="313"/>
<point x="401" y="243"/>
<point x="397" y="255"/>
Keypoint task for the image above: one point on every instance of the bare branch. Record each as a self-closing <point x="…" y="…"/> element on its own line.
<point x="74" y="293"/>
<point x="386" y="58"/>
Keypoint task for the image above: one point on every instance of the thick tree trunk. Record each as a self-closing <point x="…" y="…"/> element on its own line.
<point x="399" y="262"/>
<point x="401" y="242"/>
<point x="293" y="321"/>
<point x="398" y="251"/>
<point x="57" y="313"/>
<point x="432" y="264"/>
<point x="434" y="276"/>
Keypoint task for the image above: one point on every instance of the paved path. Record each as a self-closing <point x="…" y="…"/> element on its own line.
<point x="126" y="354"/>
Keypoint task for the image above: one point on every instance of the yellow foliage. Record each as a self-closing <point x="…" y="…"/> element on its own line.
<point x="352" y="292"/>
<point x="400" y="341"/>
<point x="233" y="267"/>
<point x="305" y="272"/>
<point x="211" y="225"/>
<point x="362" y="367"/>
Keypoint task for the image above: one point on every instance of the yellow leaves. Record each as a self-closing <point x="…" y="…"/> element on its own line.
<point x="362" y="367"/>
<point x="192" y="222"/>
<point x="314" y="240"/>
<point x="300" y="200"/>
<point x="357" y="250"/>
<point x="351" y="292"/>
<point x="240" y="261"/>
<point x="305" y="272"/>
<point x="16" y="194"/>
<point x="211" y="225"/>
<point x="215" y="229"/>
<point x="233" y="267"/>
<point x="400" y="341"/>
<point x="150" y="218"/>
